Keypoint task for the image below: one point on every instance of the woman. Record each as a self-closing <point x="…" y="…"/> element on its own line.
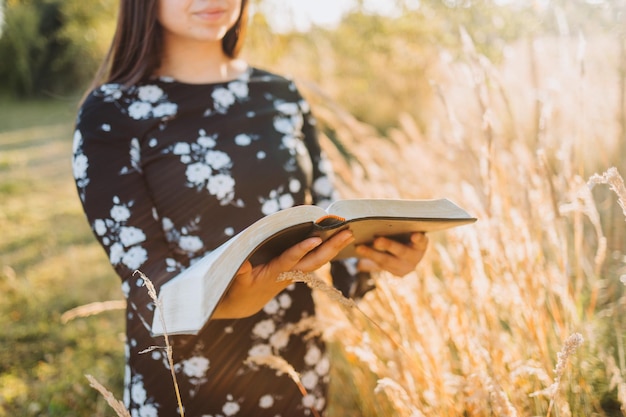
<point x="179" y="146"/>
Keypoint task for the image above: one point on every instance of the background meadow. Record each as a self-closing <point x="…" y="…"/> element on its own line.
<point x="514" y="110"/>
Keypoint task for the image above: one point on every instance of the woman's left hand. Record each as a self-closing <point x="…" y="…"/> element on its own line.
<point x="392" y="256"/>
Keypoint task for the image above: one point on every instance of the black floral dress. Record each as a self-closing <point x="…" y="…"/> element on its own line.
<point x="166" y="172"/>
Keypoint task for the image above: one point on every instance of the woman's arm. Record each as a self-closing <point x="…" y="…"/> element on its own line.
<point x="108" y="174"/>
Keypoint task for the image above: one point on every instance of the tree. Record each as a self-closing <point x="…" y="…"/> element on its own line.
<point x="51" y="47"/>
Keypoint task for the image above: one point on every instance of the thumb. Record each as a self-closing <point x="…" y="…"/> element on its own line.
<point x="246" y="268"/>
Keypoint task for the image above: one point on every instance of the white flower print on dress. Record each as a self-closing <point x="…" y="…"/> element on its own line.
<point x="266" y="401"/>
<point x="111" y="92"/>
<point x="308" y="401"/>
<point x="313" y="355"/>
<point x="188" y="243"/>
<point x="323" y="186"/>
<point x="289" y="122"/>
<point x="206" y="141"/>
<point x="239" y="89"/>
<point x="223" y="99"/>
<point x="79" y="166"/>
<point x="139" y="110"/>
<point x="198" y="173"/>
<point x="309" y="379"/>
<point x="130" y="236"/>
<point x="142" y="405"/>
<point x="135" y="257"/>
<point x="221" y="186"/>
<point x="148" y="410"/>
<point x="244" y="139"/>
<point x="277" y="200"/>
<point x="138" y="392"/>
<point x="116" y="252"/>
<point x="280" y="339"/>
<point x="285" y="301"/>
<point x="320" y="403"/>
<point x="260" y="350"/>
<point x="164" y="109"/>
<point x="119" y="213"/>
<point x="270" y="206"/>
<point x="135" y="154"/>
<point x="231" y="408"/>
<point x="294" y="185"/>
<point x="271" y="307"/>
<point x="195" y="367"/>
<point x="181" y="148"/>
<point x="323" y="366"/>
<point x="207" y="168"/>
<point x="217" y="159"/>
<point x="149" y="93"/>
<point x="264" y="328"/>
<point x="304" y="106"/>
<point x="123" y="242"/>
<point x="134" y="158"/>
<point x="149" y="101"/>
<point x="80" y="163"/>
<point x="290" y="119"/>
<point x="99" y="226"/>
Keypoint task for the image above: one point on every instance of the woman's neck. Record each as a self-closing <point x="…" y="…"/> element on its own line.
<point x="198" y="63"/>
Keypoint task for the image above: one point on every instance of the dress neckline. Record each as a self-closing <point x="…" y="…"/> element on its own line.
<point x="243" y="76"/>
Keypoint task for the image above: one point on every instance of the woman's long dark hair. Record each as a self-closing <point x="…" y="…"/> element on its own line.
<point x="136" y="50"/>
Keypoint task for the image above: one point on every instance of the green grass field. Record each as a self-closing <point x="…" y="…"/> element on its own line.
<point x="50" y="263"/>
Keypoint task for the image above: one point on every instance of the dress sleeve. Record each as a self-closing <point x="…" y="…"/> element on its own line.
<point x="107" y="168"/>
<point x="345" y="276"/>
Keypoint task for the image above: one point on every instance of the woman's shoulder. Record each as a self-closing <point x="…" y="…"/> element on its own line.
<point x="264" y="75"/>
<point x="102" y="101"/>
<point x="275" y="83"/>
<point x="142" y="102"/>
<point x="104" y="93"/>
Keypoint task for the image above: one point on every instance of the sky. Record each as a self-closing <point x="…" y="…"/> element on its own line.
<point x="299" y="14"/>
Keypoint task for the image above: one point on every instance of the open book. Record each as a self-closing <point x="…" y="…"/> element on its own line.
<point x="188" y="300"/>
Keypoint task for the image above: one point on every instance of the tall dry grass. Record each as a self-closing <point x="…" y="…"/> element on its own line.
<point x="493" y="321"/>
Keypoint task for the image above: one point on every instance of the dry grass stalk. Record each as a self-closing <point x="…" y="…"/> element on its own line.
<point x="92" y="309"/>
<point x="399" y="396"/>
<point x="572" y="343"/>
<point x="308" y="326"/>
<point x="615" y="182"/>
<point x="115" y="404"/>
<point x="281" y="366"/>
<point x="316" y="283"/>
<point x="168" y="347"/>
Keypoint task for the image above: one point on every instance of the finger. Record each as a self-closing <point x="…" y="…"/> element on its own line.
<point x="393" y="256"/>
<point x="384" y="260"/>
<point x="287" y="260"/>
<point x="419" y="241"/>
<point x="367" y="265"/>
<point x="325" y="252"/>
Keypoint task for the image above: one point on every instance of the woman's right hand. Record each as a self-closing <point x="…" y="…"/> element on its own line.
<point x="253" y="287"/>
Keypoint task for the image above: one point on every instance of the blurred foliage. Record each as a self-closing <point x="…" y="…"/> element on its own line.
<point x="52" y="47"/>
<point x="378" y="66"/>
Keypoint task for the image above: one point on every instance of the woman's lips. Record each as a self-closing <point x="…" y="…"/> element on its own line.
<point x="210" y="14"/>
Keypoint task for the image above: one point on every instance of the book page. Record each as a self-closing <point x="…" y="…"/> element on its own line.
<point x="415" y="209"/>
